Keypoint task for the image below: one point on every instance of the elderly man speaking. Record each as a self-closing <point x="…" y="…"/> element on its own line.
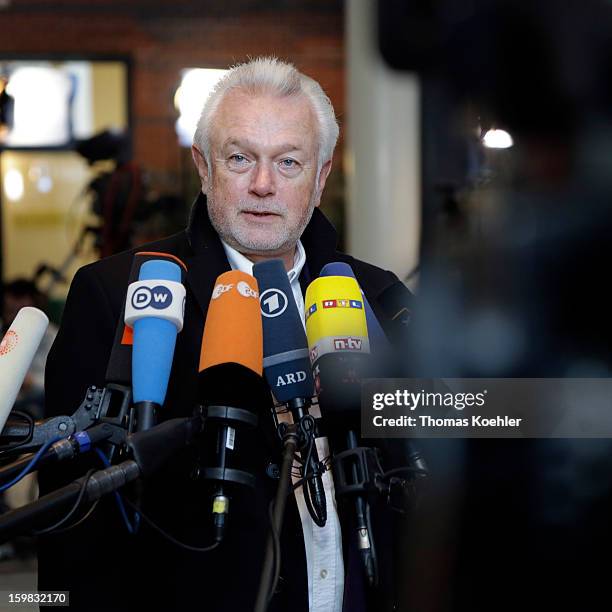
<point x="263" y="151"/>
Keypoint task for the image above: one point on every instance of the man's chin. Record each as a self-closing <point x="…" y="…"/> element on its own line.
<point x="269" y="250"/>
<point x="262" y="242"/>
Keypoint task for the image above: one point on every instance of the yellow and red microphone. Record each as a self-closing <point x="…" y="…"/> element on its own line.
<point x="338" y="342"/>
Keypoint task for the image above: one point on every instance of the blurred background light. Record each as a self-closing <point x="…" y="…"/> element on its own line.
<point x="497" y="139"/>
<point x="13" y="184"/>
<point x="196" y="85"/>
<point x="41" y="116"/>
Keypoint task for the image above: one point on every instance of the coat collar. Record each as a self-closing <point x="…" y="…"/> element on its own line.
<point x="206" y="258"/>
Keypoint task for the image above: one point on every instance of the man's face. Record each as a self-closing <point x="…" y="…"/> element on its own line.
<point x="263" y="184"/>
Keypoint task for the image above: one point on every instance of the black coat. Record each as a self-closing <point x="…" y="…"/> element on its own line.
<point x="104" y="567"/>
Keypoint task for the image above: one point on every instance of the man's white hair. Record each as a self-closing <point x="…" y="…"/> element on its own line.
<point x="268" y="75"/>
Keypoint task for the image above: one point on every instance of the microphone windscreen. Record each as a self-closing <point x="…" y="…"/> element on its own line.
<point x="17" y="350"/>
<point x="335" y="317"/>
<point x="285" y="348"/>
<point x="154" y="337"/>
<point x="233" y="331"/>
<point x="396" y="302"/>
<point x="378" y="338"/>
<point x="339" y="349"/>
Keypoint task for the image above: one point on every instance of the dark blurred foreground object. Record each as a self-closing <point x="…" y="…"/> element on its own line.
<point x="516" y="252"/>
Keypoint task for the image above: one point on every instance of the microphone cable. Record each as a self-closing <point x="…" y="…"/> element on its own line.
<point x="311" y="470"/>
<point x="28" y="468"/>
<point x="9" y="448"/>
<point x="56" y="527"/>
<point x="72" y="510"/>
<point x="276" y="552"/>
<point x="166" y="535"/>
<point x="275" y="536"/>
<point x="132" y="528"/>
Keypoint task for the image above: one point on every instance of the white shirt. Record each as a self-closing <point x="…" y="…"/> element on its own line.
<point x="323" y="545"/>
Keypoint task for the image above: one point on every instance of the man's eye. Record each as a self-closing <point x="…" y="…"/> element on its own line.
<point x="289" y="163"/>
<point x="237" y="158"/>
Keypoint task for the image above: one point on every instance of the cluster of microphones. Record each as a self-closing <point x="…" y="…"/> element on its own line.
<point x="255" y="342"/>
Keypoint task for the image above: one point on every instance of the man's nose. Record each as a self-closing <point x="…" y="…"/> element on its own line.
<point x="262" y="180"/>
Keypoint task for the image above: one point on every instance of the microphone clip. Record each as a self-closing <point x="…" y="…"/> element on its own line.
<point x="110" y="404"/>
<point x="356" y="471"/>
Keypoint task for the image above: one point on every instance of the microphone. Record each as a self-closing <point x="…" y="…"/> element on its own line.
<point x="231" y="386"/>
<point x="17" y="351"/>
<point x="378" y="339"/>
<point x="395" y="301"/>
<point x="288" y="372"/>
<point x="337" y="329"/>
<point x="338" y="341"/>
<point x="154" y="308"/>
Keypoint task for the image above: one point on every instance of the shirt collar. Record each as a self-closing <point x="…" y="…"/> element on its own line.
<point x="239" y="262"/>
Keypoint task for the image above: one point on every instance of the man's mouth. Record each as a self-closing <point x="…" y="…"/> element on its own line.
<point x="260" y="214"/>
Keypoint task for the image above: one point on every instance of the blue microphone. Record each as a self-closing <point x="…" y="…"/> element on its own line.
<point x="285" y="348"/>
<point x="288" y="371"/>
<point x="154" y="308"/>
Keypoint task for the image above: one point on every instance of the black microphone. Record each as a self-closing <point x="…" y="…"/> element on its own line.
<point x="338" y="320"/>
<point x="231" y="386"/>
<point x="288" y="372"/>
<point x="396" y="301"/>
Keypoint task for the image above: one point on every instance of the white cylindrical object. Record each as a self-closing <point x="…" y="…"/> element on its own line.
<point x="17" y="351"/>
<point x="162" y="299"/>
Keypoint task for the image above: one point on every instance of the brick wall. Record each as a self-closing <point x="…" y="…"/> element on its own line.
<point x="161" y="38"/>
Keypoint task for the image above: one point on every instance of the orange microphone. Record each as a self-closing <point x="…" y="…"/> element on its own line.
<point x="231" y="387"/>
<point x="233" y="330"/>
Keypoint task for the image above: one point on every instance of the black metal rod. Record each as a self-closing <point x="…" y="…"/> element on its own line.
<point x="290" y="441"/>
<point x="21" y="520"/>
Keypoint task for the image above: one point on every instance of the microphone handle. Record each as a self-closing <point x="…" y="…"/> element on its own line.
<point x="220" y="504"/>
<point x="315" y="500"/>
<point x="314" y="492"/>
<point x="364" y="538"/>
<point x="146" y="415"/>
<point x="21" y="520"/>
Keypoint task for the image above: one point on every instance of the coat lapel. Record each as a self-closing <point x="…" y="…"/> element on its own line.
<point x="206" y="259"/>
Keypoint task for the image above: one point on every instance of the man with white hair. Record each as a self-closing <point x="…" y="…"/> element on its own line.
<point x="263" y="151"/>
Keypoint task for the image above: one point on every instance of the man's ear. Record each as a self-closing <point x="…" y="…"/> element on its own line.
<point x="323" y="174"/>
<point x="202" y="166"/>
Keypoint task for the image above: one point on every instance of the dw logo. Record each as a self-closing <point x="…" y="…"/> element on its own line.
<point x="159" y="297"/>
<point x="273" y="303"/>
